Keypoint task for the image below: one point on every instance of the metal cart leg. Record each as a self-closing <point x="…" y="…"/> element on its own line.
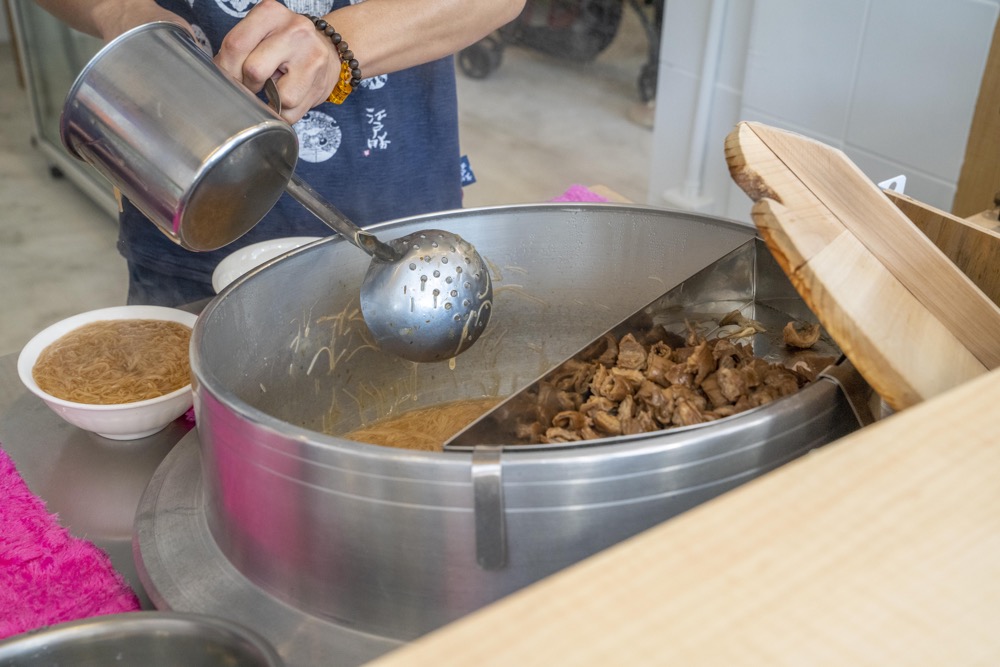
<point x="652" y="27"/>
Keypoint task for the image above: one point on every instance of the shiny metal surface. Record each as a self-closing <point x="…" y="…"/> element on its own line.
<point x="384" y="541"/>
<point x="183" y="569"/>
<point x="488" y="507"/>
<point x="747" y="280"/>
<point x="427" y="296"/>
<point x="334" y="218"/>
<point x="194" y="150"/>
<point x="433" y="301"/>
<point x="151" y="639"/>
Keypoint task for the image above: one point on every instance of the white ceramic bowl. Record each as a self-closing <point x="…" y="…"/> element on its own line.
<point x="252" y="256"/>
<point x="126" y="421"/>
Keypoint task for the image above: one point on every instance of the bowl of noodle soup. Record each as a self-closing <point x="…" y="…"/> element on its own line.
<point x="122" y="372"/>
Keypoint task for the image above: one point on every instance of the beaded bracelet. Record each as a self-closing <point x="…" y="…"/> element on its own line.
<point x="350" y="70"/>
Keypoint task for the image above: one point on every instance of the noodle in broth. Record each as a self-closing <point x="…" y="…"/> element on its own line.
<point x="425" y="429"/>
<point x="116" y="361"/>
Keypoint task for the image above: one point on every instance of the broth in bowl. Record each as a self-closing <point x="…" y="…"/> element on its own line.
<point x="116" y="361"/>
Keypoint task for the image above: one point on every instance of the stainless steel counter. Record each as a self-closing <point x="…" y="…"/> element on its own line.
<point x="92" y="483"/>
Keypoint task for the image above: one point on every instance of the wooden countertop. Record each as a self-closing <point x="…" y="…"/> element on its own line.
<point x="882" y="548"/>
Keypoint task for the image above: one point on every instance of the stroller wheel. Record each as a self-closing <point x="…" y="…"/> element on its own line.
<point x="480" y="59"/>
<point x="647" y="82"/>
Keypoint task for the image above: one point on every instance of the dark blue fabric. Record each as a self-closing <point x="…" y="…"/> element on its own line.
<point x="394" y="145"/>
<point x="149" y="287"/>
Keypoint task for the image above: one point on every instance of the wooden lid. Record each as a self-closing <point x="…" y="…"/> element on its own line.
<point x="911" y="322"/>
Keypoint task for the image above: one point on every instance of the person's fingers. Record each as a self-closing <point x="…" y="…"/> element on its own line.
<point x="267" y="17"/>
<point x="306" y="80"/>
<point x="273" y="42"/>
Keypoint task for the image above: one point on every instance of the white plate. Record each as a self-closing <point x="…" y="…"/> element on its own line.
<point x="252" y="256"/>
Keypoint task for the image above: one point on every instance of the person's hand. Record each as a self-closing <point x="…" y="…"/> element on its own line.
<point x="273" y="42"/>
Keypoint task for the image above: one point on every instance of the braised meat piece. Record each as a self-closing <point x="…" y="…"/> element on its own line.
<point x="724" y="411"/>
<point x="607" y="424"/>
<point x="659" y="381"/>
<point x="732" y="384"/>
<point x="571" y="420"/>
<point x="615" y="383"/>
<point x="680" y="375"/>
<point x="631" y="354"/>
<point x="753" y="371"/>
<point x="657" y="401"/>
<point x="530" y="431"/>
<point x="641" y="422"/>
<point x="700" y="363"/>
<point x="552" y="400"/>
<point x="782" y="380"/>
<point x="596" y="404"/>
<point x="557" y="435"/>
<point x="659" y="361"/>
<point x="727" y="353"/>
<point x="604" y="351"/>
<point x="686" y="413"/>
<point x="574" y="376"/>
<point x="800" y="334"/>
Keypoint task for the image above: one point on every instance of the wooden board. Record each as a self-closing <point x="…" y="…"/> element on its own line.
<point x="987" y="219"/>
<point x="979" y="180"/>
<point x="610" y="195"/>
<point x="913" y="324"/>
<point x="973" y="248"/>
<point x="879" y="549"/>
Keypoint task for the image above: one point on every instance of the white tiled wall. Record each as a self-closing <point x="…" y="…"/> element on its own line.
<point x="685" y="24"/>
<point x="892" y="82"/>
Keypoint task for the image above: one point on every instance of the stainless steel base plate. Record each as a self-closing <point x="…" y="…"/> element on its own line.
<point x="182" y="569"/>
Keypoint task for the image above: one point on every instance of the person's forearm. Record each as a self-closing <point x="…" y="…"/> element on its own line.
<point x="390" y="35"/>
<point x="107" y="19"/>
<point x="272" y="42"/>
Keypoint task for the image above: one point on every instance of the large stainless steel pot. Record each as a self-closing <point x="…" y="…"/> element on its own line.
<point x="397" y="543"/>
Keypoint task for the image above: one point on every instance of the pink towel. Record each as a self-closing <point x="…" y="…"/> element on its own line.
<point x="47" y="576"/>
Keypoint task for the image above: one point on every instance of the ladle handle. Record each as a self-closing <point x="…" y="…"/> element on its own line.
<point x="329" y="214"/>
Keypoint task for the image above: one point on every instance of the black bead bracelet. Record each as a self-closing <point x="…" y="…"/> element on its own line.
<point x="350" y="69"/>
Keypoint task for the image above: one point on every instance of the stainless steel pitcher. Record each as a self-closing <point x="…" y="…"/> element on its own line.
<point x="197" y="152"/>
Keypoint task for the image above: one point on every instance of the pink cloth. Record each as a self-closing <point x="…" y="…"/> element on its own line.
<point x="47" y="576"/>
<point x="579" y="193"/>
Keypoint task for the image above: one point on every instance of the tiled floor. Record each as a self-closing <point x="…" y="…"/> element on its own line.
<point x="535" y="126"/>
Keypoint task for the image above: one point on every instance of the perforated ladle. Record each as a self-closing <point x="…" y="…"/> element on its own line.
<point x="426" y="296"/>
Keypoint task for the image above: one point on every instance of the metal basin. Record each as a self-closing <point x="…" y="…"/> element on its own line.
<point x="395" y="542"/>
<point x="151" y="639"/>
